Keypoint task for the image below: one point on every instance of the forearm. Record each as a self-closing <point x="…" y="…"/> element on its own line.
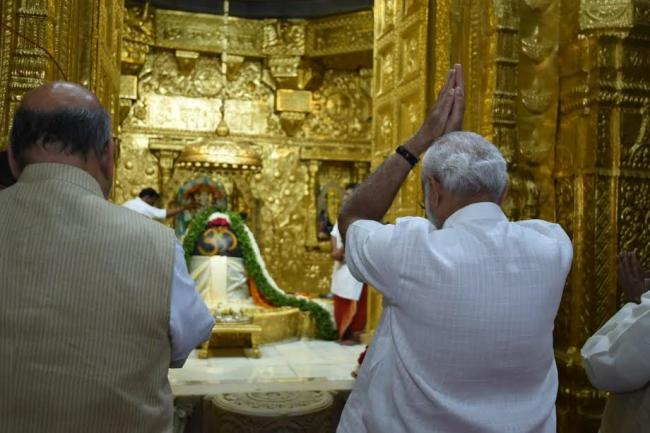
<point x="338" y="254"/>
<point x="175" y="211"/>
<point x="374" y="197"/>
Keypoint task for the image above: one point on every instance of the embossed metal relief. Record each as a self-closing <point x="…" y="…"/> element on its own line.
<point x="342" y="34"/>
<point x="341" y="107"/>
<point x="607" y="14"/>
<point x="138" y="34"/>
<point x="296" y="113"/>
<point x="263" y="38"/>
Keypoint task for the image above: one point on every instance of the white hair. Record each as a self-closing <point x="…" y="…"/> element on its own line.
<point x="465" y="164"/>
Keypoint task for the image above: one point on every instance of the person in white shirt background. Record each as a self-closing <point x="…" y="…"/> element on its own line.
<point x="144" y="204"/>
<point x="617" y="356"/>
<point x="465" y="341"/>
<point x="350" y="294"/>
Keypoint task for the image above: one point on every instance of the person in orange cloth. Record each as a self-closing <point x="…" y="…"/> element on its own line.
<point x="350" y="295"/>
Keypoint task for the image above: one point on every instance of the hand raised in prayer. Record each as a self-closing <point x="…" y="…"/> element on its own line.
<point x="446" y="115"/>
<point x="631" y="276"/>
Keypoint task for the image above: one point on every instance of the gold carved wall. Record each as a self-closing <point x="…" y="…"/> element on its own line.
<point x="45" y="40"/>
<point x="295" y="92"/>
<point x="562" y="88"/>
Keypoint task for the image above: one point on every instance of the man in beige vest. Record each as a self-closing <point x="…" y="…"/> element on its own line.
<point x="617" y="356"/>
<point x="95" y="301"/>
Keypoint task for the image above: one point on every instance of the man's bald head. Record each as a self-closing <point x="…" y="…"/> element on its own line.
<point x="60" y="95"/>
<point x="61" y="119"/>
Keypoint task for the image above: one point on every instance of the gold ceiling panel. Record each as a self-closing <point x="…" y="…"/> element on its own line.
<point x="262" y="38"/>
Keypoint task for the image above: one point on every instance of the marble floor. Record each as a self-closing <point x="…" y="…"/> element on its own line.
<point x="287" y="366"/>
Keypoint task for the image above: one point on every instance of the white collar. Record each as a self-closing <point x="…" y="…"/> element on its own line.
<point x="474" y="211"/>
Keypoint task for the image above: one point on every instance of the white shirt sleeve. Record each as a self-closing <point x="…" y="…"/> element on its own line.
<point x="140" y="206"/>
<point x="156" y="213"/>
<point x="336" y="234"/>
<point x="370" y="256"/>
<point x="159" y="214"/>
<point x="617" y="356"/>
<point x="554" y="231"/>
<point x="190" y="321"/>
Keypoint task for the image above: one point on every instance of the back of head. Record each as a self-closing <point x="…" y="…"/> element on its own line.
<point x="62" y="118"/>
<point x="149" y="193"/>
<point x="466" y="165"/>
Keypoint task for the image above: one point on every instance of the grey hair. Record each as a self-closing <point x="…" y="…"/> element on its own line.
<point x="74" y="130"/>
<point x="466" y="164"/>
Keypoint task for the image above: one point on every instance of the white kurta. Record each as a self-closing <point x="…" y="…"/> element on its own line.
<point x="344" y="284"/>
<point x="465" y="342"/>
<point x="617" y="359"/>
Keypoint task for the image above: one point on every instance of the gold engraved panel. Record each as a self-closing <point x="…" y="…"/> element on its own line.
<point x="180" y="112"/>
<point x="385" y="129"/>
<point x="607" y="15"/>
<point x="411" y="52"/>
<point x="410" y="113"/>
<point x="203" y="32"/>
<point x="410" y="7"/>
<point x="341" y="107"/>
<point x="340" y="34"/>
<point x="138" y="35"/>
<point x="385" y="69"/>
<point x="179" y="102"/>
<point x="385" y="14"/>
<point x="293" y="100"/>
<point x="284" y="38"/>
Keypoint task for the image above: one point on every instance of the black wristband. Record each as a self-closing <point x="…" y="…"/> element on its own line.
<point x="408" y="156"/>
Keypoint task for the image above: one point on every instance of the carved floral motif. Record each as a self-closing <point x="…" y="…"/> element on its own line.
<point x="342" y="107"/>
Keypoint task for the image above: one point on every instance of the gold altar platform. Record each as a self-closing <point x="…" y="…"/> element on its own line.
<point x="262" y="326"/>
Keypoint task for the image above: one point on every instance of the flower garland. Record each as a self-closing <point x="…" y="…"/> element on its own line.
<point x="257" y="270"/>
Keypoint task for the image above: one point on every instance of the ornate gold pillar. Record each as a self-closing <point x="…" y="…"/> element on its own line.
<point x="166" y="154"/>
<point x="602" y="188"/>
<point x="26" y="64"/>
<point x="312" y="196"/>
<point x="44" y="40"/>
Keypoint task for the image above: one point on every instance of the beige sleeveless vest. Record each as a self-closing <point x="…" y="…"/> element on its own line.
<point x="84" y="309"/>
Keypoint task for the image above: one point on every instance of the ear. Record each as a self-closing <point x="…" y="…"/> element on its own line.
<point x="107" y="158"/>
<point x="13" y="163"/>
<point x="504" y="194"/>
<point x="434" y="191"/>
<point x="106" y="162"/>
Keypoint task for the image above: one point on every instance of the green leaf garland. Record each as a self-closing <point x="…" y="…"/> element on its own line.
<point x="198" y="225"/>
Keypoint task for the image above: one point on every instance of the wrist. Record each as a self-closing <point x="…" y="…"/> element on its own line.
<point x="417" y="144"/>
